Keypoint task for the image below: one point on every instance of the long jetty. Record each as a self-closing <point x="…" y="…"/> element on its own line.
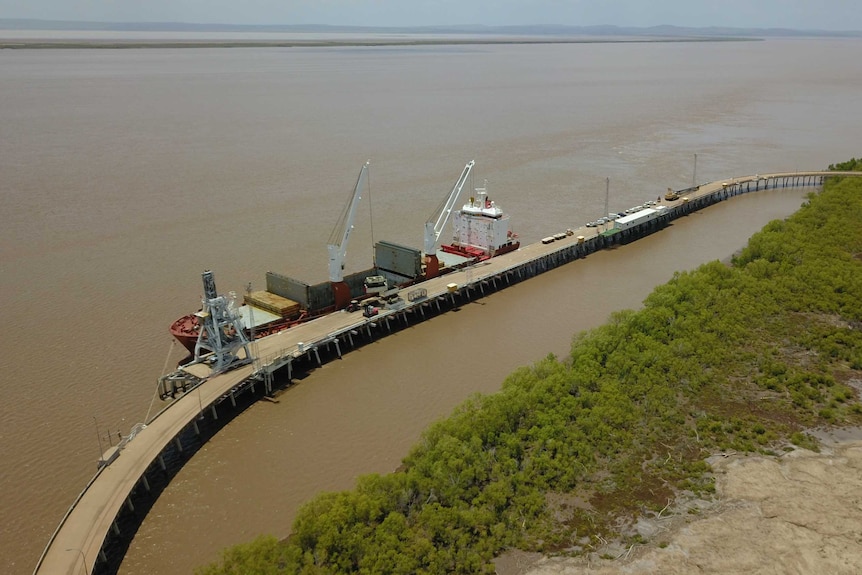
<point x="96" y="531"/>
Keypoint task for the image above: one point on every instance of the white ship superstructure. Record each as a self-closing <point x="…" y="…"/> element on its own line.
<point x="481" y="228"/>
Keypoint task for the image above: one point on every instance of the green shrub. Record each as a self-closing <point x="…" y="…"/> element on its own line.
<point x="724" y="358"/>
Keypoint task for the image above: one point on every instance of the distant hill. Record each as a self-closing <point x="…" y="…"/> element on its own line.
<point x="665" y="31"/>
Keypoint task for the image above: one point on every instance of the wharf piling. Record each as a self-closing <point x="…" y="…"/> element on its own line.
<point x="104" y="518"/>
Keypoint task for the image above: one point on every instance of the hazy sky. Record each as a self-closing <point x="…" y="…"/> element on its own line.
<point x="804" y="14"/>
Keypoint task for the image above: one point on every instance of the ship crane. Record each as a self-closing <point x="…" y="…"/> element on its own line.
<point x="435" y="224"/>
<point x="338" y="243"/>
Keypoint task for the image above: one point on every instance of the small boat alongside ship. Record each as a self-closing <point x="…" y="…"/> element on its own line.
<point x="480" y="230"/>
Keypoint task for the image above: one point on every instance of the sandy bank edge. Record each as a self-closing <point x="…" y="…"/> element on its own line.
<point x="800" y="512"/>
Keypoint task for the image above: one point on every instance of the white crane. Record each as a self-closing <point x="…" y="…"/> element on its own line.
<point x="338" y="242"/>
<point x="435" y="224"/>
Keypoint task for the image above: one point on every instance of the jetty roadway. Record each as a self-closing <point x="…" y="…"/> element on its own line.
<point x="78" y="544"/>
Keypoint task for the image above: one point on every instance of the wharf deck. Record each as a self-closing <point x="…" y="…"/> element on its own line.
<point x="82" y="532"/>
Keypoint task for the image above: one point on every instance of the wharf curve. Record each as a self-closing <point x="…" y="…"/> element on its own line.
<point x="99" y="526"/>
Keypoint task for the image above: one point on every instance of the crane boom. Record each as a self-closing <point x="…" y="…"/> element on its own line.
<point x="434" y="225"/>
<point x="341" y="232"/>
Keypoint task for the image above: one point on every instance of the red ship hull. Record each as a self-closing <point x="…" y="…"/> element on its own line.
<point x="185" y="330"/>
<point x="478" y="254"/>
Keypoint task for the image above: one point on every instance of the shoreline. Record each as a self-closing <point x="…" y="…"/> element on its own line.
<point x="768" y="512"/>
<point x="41" y="43"/>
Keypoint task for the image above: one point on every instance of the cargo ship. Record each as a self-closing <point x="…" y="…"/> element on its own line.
<point x="480" y="230"/>
<point x="261" y="314"/>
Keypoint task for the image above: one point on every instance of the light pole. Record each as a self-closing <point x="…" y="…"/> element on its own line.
<point x="83" y="559"/>
<point x="99" y="437"/>
<point x="607" y="195"/>
<point x="694" y="173"/>
<point x="253" y="346"/>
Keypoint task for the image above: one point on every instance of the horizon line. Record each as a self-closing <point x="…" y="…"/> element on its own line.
<point x="537" y="28"/>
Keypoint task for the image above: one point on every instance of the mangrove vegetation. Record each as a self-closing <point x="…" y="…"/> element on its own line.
<point x="745" y="356"/>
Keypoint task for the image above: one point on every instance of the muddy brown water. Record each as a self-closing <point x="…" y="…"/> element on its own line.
<point x="125" y="173"/>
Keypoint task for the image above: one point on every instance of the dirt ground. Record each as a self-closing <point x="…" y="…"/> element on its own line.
<point x="797" y="513"/>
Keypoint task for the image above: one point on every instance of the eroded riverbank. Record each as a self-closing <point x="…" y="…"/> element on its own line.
<point x="797" y="513"/>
